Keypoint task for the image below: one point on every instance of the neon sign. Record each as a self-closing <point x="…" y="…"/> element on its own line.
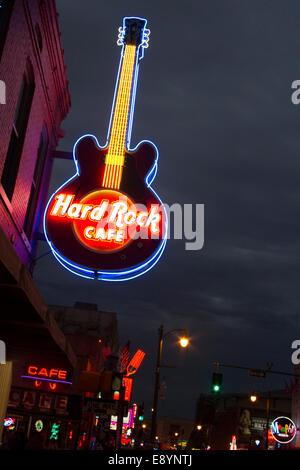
<point x="39" y="425"/>
<point x="54" y="431"/>
<point x="52" y="375"/>
<point x="135" y="362"/>
<point x="283" y="429"/>
<point x="106" y="222"/>
<point x="101" y="232"/>
<point x="9" y="422"/>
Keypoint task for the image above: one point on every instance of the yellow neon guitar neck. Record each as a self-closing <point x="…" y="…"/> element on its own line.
<point x="115" y="156"/>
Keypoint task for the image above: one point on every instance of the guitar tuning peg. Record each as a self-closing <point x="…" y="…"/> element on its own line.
<point x="120" y="42"/>
<point x="147" y="32"/>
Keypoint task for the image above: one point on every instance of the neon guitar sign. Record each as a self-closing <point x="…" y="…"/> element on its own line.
<point x="106" y="222"/>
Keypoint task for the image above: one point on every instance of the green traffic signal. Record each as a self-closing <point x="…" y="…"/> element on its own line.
<point x="141" y="418"/>
<point x="216" y="382"/>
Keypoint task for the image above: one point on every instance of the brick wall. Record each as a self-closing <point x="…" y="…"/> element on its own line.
<point x="33" y="34"/>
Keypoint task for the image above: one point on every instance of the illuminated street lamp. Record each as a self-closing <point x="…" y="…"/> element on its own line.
<point x="183" y="341"/>
<point x="199" y="427"/>
<point x="253" y="398"/>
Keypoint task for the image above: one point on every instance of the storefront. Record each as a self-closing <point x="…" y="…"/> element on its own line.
<point x="55" y="417"/>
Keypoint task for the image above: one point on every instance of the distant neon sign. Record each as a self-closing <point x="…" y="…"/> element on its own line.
<point x="9" y="422"/>
<point x="135" y="362"/>
<point x="54" y="431"/>
<point x="39" y="425"/>
<point x="283" y="429"/>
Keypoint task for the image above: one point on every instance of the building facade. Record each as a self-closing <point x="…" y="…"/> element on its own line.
<point x="47" y="397"/>
<point x="225" y="418"/>
<point x="34" y="100"/>
<point x="37" y="100"/>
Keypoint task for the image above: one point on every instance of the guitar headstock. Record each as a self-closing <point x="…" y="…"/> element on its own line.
<point x="134" y="32"/>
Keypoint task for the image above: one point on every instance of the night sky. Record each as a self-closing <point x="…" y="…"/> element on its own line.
<point x="214" y="94"/>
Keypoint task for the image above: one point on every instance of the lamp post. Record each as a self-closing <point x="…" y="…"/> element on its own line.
<point x="161" y="336"/>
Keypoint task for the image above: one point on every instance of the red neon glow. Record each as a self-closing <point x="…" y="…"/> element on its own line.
<point x="135" y="362"/>
<point x="35" y="371"/>
<point x="106" y="220"/>
<point x="233" y="445"/>
<point x="127" y="383"/>
<point x="270" y="436"/>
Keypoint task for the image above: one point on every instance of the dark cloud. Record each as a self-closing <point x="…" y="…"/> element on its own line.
<point x="214" y="94"/>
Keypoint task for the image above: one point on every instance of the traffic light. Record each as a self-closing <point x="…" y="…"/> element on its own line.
<point x="140" y="412"/>
<point x="216" y="382"/>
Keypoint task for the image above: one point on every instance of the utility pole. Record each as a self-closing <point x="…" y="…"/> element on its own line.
<point x="184" y="341"/>
<point x="267" y="425"/>
<point x="156" y="383"/>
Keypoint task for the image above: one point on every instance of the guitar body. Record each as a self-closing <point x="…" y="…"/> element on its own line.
<point x="106" y="222"/>
<point x="138" y="255"/>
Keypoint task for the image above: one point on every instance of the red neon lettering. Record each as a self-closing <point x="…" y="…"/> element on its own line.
<point x="53" y="373"/>
<point x="32" y="370"/>
<point x="62" y="374"/>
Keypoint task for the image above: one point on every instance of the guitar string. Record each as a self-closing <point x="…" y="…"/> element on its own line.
<point x="108" y="161"/>
<point x="124" y="112"/>
<point x="119" y="129"/>
<point x="113" y="150"/>
<point x="122" y="125"/>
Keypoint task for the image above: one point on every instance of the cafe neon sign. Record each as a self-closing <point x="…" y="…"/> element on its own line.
<point x="47" y="374"/>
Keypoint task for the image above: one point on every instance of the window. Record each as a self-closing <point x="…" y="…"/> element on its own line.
<point x="5" y="12"/>
<point x="36" y="184"/>
<point x="18" y="133"/>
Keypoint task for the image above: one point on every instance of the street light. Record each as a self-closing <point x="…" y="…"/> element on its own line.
<point x="253" y="398"/>
<point x="199" y="427"/>
<point x="184" y="341"/>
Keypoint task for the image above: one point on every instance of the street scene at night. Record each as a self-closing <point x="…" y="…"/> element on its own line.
<point x="149" y="229"/>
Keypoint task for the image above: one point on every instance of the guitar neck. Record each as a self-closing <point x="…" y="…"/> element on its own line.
<point x="121" y="121"/>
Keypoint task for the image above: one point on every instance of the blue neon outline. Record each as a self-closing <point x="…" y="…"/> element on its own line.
<point x="45" y="380"/>
<point x="151" y="262"/>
